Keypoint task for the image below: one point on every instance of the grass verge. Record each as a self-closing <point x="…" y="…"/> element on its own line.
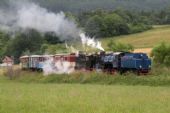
<point x="159" y="76"/>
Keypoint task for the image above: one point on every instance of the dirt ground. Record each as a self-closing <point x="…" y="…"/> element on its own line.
<point x="143" y="50"/>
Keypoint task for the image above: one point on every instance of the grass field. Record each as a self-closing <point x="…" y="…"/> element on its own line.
<point x="1" y="71"/>
<point x="18" y="97"/>
<point x="146" y="39"/>
<point x="31" y="92"/>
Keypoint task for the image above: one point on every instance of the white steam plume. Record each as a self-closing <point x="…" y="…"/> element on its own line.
<point x="26" y="15"/>
<point x="91" y="42"/>
<point x="30" y="15"/>
<point x="58" y="67"/>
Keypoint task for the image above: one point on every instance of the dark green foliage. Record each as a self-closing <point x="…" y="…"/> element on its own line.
<point x="101" y="23"/>
<point x="120" y="47"/>
<point x="30" y="41"/>
<point x="53" y="49"/>
<point x="140" y="27"/>
<point x="161" y="54"/>
<point x="4" y="38"/>
<point x="77" y="6"/>
<point x="115" y="25"/>
<point x="51" y="38"/>
<point x="161" y="17"/>
<point x="94" y="26"/>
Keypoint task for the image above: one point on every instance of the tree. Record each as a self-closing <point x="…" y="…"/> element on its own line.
<point x="4" y="38"/>
<point x="51" y="38"/>
<point x="95" y="26"/>
<point x="161" y="54"/>
<point x="115" y="25"/>
<point x="30" y="41"/>
<point x="106" y="25"/>
<point x="53" y="49"/>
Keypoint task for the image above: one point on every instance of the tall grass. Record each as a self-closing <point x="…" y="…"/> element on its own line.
<point x="159" y="76"/>
<point x="31" y="92"/>
<point x="18" y="97"/>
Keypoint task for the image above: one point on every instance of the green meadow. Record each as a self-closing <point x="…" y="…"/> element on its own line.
<point x="16" y="97"/>
<point x="31" y="92"/>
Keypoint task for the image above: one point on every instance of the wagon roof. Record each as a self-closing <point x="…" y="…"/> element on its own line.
<point x="36" y="56"/>
<point x="24" y="56"/>
<point x="47" y="55"/>
<point x="64" y="54"/>
<point x="117" y="53"/>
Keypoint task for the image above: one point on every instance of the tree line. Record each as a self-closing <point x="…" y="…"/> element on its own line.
<point x="104" y="23"/>
<point x="77" y="6"/>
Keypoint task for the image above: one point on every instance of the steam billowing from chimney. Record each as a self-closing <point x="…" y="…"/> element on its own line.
<point x="91" y="42"/>
<point x="21" y="16"/>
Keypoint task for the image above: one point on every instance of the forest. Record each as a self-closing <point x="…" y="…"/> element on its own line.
<point x="77" y="6"/>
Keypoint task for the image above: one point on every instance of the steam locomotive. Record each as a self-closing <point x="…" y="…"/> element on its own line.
<point x="108" y="62"/>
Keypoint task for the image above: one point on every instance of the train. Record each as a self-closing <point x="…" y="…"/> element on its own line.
<point x="110" y="62"/>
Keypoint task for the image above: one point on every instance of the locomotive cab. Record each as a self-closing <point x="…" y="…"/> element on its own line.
<point x="136" y="62"/>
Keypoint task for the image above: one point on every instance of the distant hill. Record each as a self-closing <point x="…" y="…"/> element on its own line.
<point x="86" y="5"/>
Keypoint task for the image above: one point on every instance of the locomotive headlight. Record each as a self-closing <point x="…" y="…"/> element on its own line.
<point x="140" y="66"/>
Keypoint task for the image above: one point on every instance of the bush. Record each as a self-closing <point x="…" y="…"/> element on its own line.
<point x="161" y="54"/>
<point x="120" y="47"/>
<point x="139" y="28"/>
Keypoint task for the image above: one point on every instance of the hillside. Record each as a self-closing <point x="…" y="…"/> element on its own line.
<point x="146" y="39"/>
<point x="88" y="5"/>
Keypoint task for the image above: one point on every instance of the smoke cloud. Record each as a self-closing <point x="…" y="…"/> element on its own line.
<point x="24" y="15"/>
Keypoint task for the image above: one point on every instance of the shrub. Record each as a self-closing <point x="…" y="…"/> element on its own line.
<point x="120" y="47"/>
<point x="161" y="54"/>
<point x="139" y="28"/>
